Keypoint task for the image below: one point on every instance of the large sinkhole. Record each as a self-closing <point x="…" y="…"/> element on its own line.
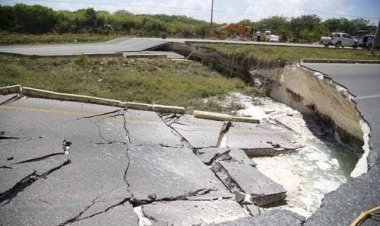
<point x="319" y="166"/>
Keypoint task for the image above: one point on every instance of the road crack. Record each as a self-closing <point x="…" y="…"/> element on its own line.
<point x="12" y="99"/>
<point x="127" y="151"/>
<point x="78" y="218"/>
<point x="38" y="158"/>
<point x="186" y="196"/>
<point x="169" y="123"/>
<point x="25" y="182"/>
<point x="102" y="114"/>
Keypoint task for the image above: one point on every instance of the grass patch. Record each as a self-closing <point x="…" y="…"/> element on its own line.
<point x="184" y="83"/>
<point x="7" y="38"/>
<point x="288" y="54"/>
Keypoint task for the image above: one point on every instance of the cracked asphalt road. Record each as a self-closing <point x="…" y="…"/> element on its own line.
<point x="69" y="163"/>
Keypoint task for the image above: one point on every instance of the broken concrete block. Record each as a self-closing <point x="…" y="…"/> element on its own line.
<point x="212" y="116"/>
<point x="260" y="140"/>
<point x="137" y="106"/>
<point x="193" y="212"/>
<point x="10" y="89"/>
<point x="164" y="173"/>
<point x="247" y="179"/>
<point x="31" y="92"/>
<point x="239" y="155"/>
<point x="147" y="128"/>
<point x="169" y="109"/>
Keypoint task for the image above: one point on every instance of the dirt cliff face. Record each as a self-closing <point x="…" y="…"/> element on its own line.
<point x="311" y="92"/>
<point x="298" y="87"/>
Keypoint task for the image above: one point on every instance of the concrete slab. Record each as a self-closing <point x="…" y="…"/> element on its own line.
<point x="248" y="179"/>
<point x="259" y="139"/>
<point x="147" y="128"/>
<point x="194" y="212"/>
<point x="158" y="173"/>
<point x="209" y="155"/>
<point x="200" y="133"/>
<point x="270" y="218"/>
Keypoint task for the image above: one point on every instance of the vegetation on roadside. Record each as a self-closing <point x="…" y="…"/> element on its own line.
<point x="183" y="83"/>
<point x="287" y="54"/>
<point x="21" y="38"/>
<point x="37" y="19"/>
<point x="309" y="28"/>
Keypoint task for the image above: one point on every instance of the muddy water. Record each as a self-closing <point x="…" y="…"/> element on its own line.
<point x="321" y="166"/>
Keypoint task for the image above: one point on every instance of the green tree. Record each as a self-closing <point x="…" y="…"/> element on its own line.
<point x="32" y="19"/>
<point x="304" y="24"/>
<point x="5" y="17"/>
<point x="277" y="25"/>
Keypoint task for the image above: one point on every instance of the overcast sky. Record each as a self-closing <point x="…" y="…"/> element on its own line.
<point x="225" y="10"/>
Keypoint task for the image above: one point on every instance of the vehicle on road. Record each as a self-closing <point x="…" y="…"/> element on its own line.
<point x="325" y="40"/>
<point x="340" y="39"/>
<point x="365" y="41"/>
<point x="267" y="36"/>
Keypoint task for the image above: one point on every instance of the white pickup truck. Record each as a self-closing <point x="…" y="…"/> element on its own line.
<point x="340" y="39"/>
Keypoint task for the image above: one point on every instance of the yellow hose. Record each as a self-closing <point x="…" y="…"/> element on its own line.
<point x="363" y="216"/>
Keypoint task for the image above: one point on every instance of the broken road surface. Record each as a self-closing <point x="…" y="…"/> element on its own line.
<point x="69" y="163"/>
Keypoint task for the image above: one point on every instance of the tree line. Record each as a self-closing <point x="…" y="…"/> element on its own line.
<point x="309" y="28"/>
<point x="37" y="19"/>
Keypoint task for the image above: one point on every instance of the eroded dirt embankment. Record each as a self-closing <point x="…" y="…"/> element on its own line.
<point x="305" y="90"/>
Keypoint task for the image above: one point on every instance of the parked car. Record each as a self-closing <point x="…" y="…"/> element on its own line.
<point x="325" y="40"/>
<point x="365" y="41"/>
<point x="340" y="39"/>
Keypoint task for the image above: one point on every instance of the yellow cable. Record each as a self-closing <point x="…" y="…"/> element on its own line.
<point x="364" y="215"/>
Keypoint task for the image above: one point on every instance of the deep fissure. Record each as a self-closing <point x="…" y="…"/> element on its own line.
<point x="7" y="196"/>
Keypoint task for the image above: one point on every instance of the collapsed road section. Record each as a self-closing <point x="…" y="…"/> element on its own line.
<point x="329" y="94"/>
<point x="85" y="164"/>
<point x="137" y="166"/>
